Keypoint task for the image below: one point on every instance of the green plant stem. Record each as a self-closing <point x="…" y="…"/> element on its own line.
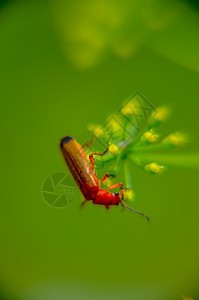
<point x="138" y="161"/>
<point x="181" y="160"/>
<point x="151" y="147"/>
<point x="115" y="170"/>
<point x="127" y="174"/>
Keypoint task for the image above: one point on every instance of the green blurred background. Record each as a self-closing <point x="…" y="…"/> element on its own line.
<point x="63" y="65"/>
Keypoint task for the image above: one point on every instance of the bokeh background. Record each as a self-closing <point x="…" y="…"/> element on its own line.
<point x="64" y="65"/>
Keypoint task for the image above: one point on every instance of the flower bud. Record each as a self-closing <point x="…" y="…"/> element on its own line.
<point x="154" y="168"/>
<point x="113" y="149"/>
<point x="161" y="114"/>
<point x="150" y="136"/>
<point x="108" y="182"/>
<point x="128" y="195"/>
<point x="175" y="139"/>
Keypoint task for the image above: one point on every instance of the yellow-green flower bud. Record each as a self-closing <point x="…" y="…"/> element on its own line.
<point x="95" y="129"/>
<point x="161" y="114"/>
<point x="128" y="195"/>
<point x="175" y="139"/>
<point x="150" y="136"/>
<point x="154" y="168"/>
<point x="113" y="149"/>
<point x="108" y="182"/>
<point x="131" y="108"/>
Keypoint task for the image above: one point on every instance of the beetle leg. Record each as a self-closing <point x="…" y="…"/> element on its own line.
<point x="89" y="143"/>
<point x="83" y="203"/>
<point x="114" y="186"/>
<point x="106" y="176"/>
<point x="96" y="153"/>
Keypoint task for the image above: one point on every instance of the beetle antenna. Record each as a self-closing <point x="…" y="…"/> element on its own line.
<point x="135" y="211"/>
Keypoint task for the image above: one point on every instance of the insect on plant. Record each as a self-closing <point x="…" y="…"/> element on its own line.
<point x="86" y="178"/>
<point x="122" y="152"/>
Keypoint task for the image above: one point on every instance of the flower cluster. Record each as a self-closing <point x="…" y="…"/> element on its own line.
<point x="138" y="148"/>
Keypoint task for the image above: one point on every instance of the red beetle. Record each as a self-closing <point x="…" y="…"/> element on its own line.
<point x="86" y="178"/>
